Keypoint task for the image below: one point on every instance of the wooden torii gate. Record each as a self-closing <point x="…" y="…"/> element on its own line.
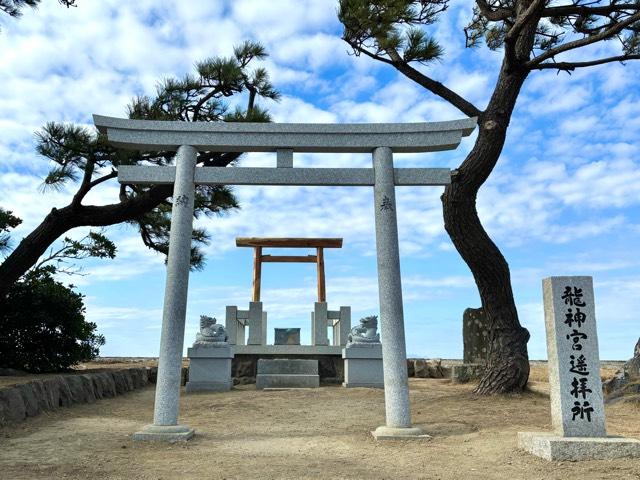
<point x="258" y="258"/>
<point x="188" y="138"/>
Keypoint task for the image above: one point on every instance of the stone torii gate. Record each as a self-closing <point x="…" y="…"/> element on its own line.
<point x="188" y="138"/>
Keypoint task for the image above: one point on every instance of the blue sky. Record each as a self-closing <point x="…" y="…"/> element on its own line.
<point x="563" y="200"/>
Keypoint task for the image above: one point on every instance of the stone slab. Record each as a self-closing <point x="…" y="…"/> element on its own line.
<point x="577" y="405"/>
<point x="362" y="350"/>
<point x="269" y="137"/>
<point x="286" y="336"/>
<point x="287" y="350"/>
<point x="555" y="448"/>
<point x="287" y="366"/>
<point x="164" y="433"/>
<point x="287" y="381"/>
<point x="399" y="433"/>
<point x="192" y="387"/>
<point x="202" y="351"/>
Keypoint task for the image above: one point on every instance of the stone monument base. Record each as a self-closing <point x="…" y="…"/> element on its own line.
<point x="399" y="433"/>
<point x="209" y="368"/>
<point x="164" y="433"/>
<point x="287" y="373"/>
<point x="556" y="448"/>
<point x="363" y="365"/>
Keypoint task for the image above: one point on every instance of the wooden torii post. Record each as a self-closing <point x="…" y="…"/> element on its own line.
<point x="258" y="258"/>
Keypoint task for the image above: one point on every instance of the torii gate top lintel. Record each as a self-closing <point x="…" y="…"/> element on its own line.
<point x="270" y="137"/>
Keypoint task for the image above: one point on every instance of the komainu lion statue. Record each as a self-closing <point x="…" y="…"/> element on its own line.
<point x="366" y="332"/>
<point x="210" y="332"/>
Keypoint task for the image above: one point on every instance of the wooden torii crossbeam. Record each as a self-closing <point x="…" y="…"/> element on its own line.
<point x="258" y="258"/>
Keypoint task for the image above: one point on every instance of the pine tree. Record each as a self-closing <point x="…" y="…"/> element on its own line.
<point x="531" y="34"/>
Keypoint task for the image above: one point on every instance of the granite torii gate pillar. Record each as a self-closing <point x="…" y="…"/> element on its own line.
<point x="188" y="138"/>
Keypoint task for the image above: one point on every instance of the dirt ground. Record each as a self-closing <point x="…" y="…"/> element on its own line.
<point x="317" y="433"/>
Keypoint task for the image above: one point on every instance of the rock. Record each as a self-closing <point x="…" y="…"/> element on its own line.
<point x="420" y="368"/>
<point x="411" y="371"/>
<point x="428" y="368"/>
<point x="152" y="374"/>
<point x="64" y="389"/>
<point x="475" y="334"/>
<point x="104" y="385"/>
<point x="626" y="379"/>
<point x="466" y="372"/>
<point x="81" y="387"/>
<point x="12" y="372"/>
<point x="12" y="407"/>
<point x="30" y="398"/>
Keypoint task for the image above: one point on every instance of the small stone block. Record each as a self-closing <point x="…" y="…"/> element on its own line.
<point x="399" y="433"/>
<point x="363" y="366"/>
<point x="164" y="433"/>
<point x="555" y="448"/>
<point x="287" y="366"/>
<point x="286" y="381"/>
<point x="208" y="386"/>
<point x="286" y="336"/>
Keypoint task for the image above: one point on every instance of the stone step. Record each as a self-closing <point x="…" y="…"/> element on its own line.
<point x="287" y="366"/>
<point x="287" y="373"/>
<point x="287" y="381"/>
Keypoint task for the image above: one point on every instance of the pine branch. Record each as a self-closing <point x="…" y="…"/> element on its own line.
<point x="610" y="32"/>
<point x="571" y="66"/>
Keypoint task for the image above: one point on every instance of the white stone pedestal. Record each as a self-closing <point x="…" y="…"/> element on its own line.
<point x="209" y="368"/>
<point x="363" y="365"/>
<point x="557" y="448"/>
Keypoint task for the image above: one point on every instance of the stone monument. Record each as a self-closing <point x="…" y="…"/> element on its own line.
<point x="475" y="331"/>
<point x="577" y="406"/>
<point x="210" y="359"/>
<point x="363" y="356"/>
<point x="286" y="336"/>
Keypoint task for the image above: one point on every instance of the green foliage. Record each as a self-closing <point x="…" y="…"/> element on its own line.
<point x="84" y="157"/>
<point x="7" y="222"/>
<point x="14" y="7"/>
<point x="43" y="325"/>
<point x="389" y="27"/>
<point x="94" y="244"/>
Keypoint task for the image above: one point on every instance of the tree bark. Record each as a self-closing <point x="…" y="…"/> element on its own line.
<point x="60" y="221"/>
<point x="508" y="362"/>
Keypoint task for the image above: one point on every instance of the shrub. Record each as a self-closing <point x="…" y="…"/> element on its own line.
<point x="42" y="325"/>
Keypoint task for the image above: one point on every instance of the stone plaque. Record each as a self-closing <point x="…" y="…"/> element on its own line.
<point x="287" y="336"/>
<point x="577" y="405"/>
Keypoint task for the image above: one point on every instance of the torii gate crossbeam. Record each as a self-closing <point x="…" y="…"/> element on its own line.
<point x="187" y="138"/>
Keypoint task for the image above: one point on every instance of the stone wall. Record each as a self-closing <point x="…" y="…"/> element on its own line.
<point x="427" y="368"/>
<point x="244" y="367"/>
<point x="29" y="399"/>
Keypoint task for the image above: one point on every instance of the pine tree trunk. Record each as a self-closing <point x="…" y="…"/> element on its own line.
<point x="508" y="362"/>
<point x="60" y="221"/>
